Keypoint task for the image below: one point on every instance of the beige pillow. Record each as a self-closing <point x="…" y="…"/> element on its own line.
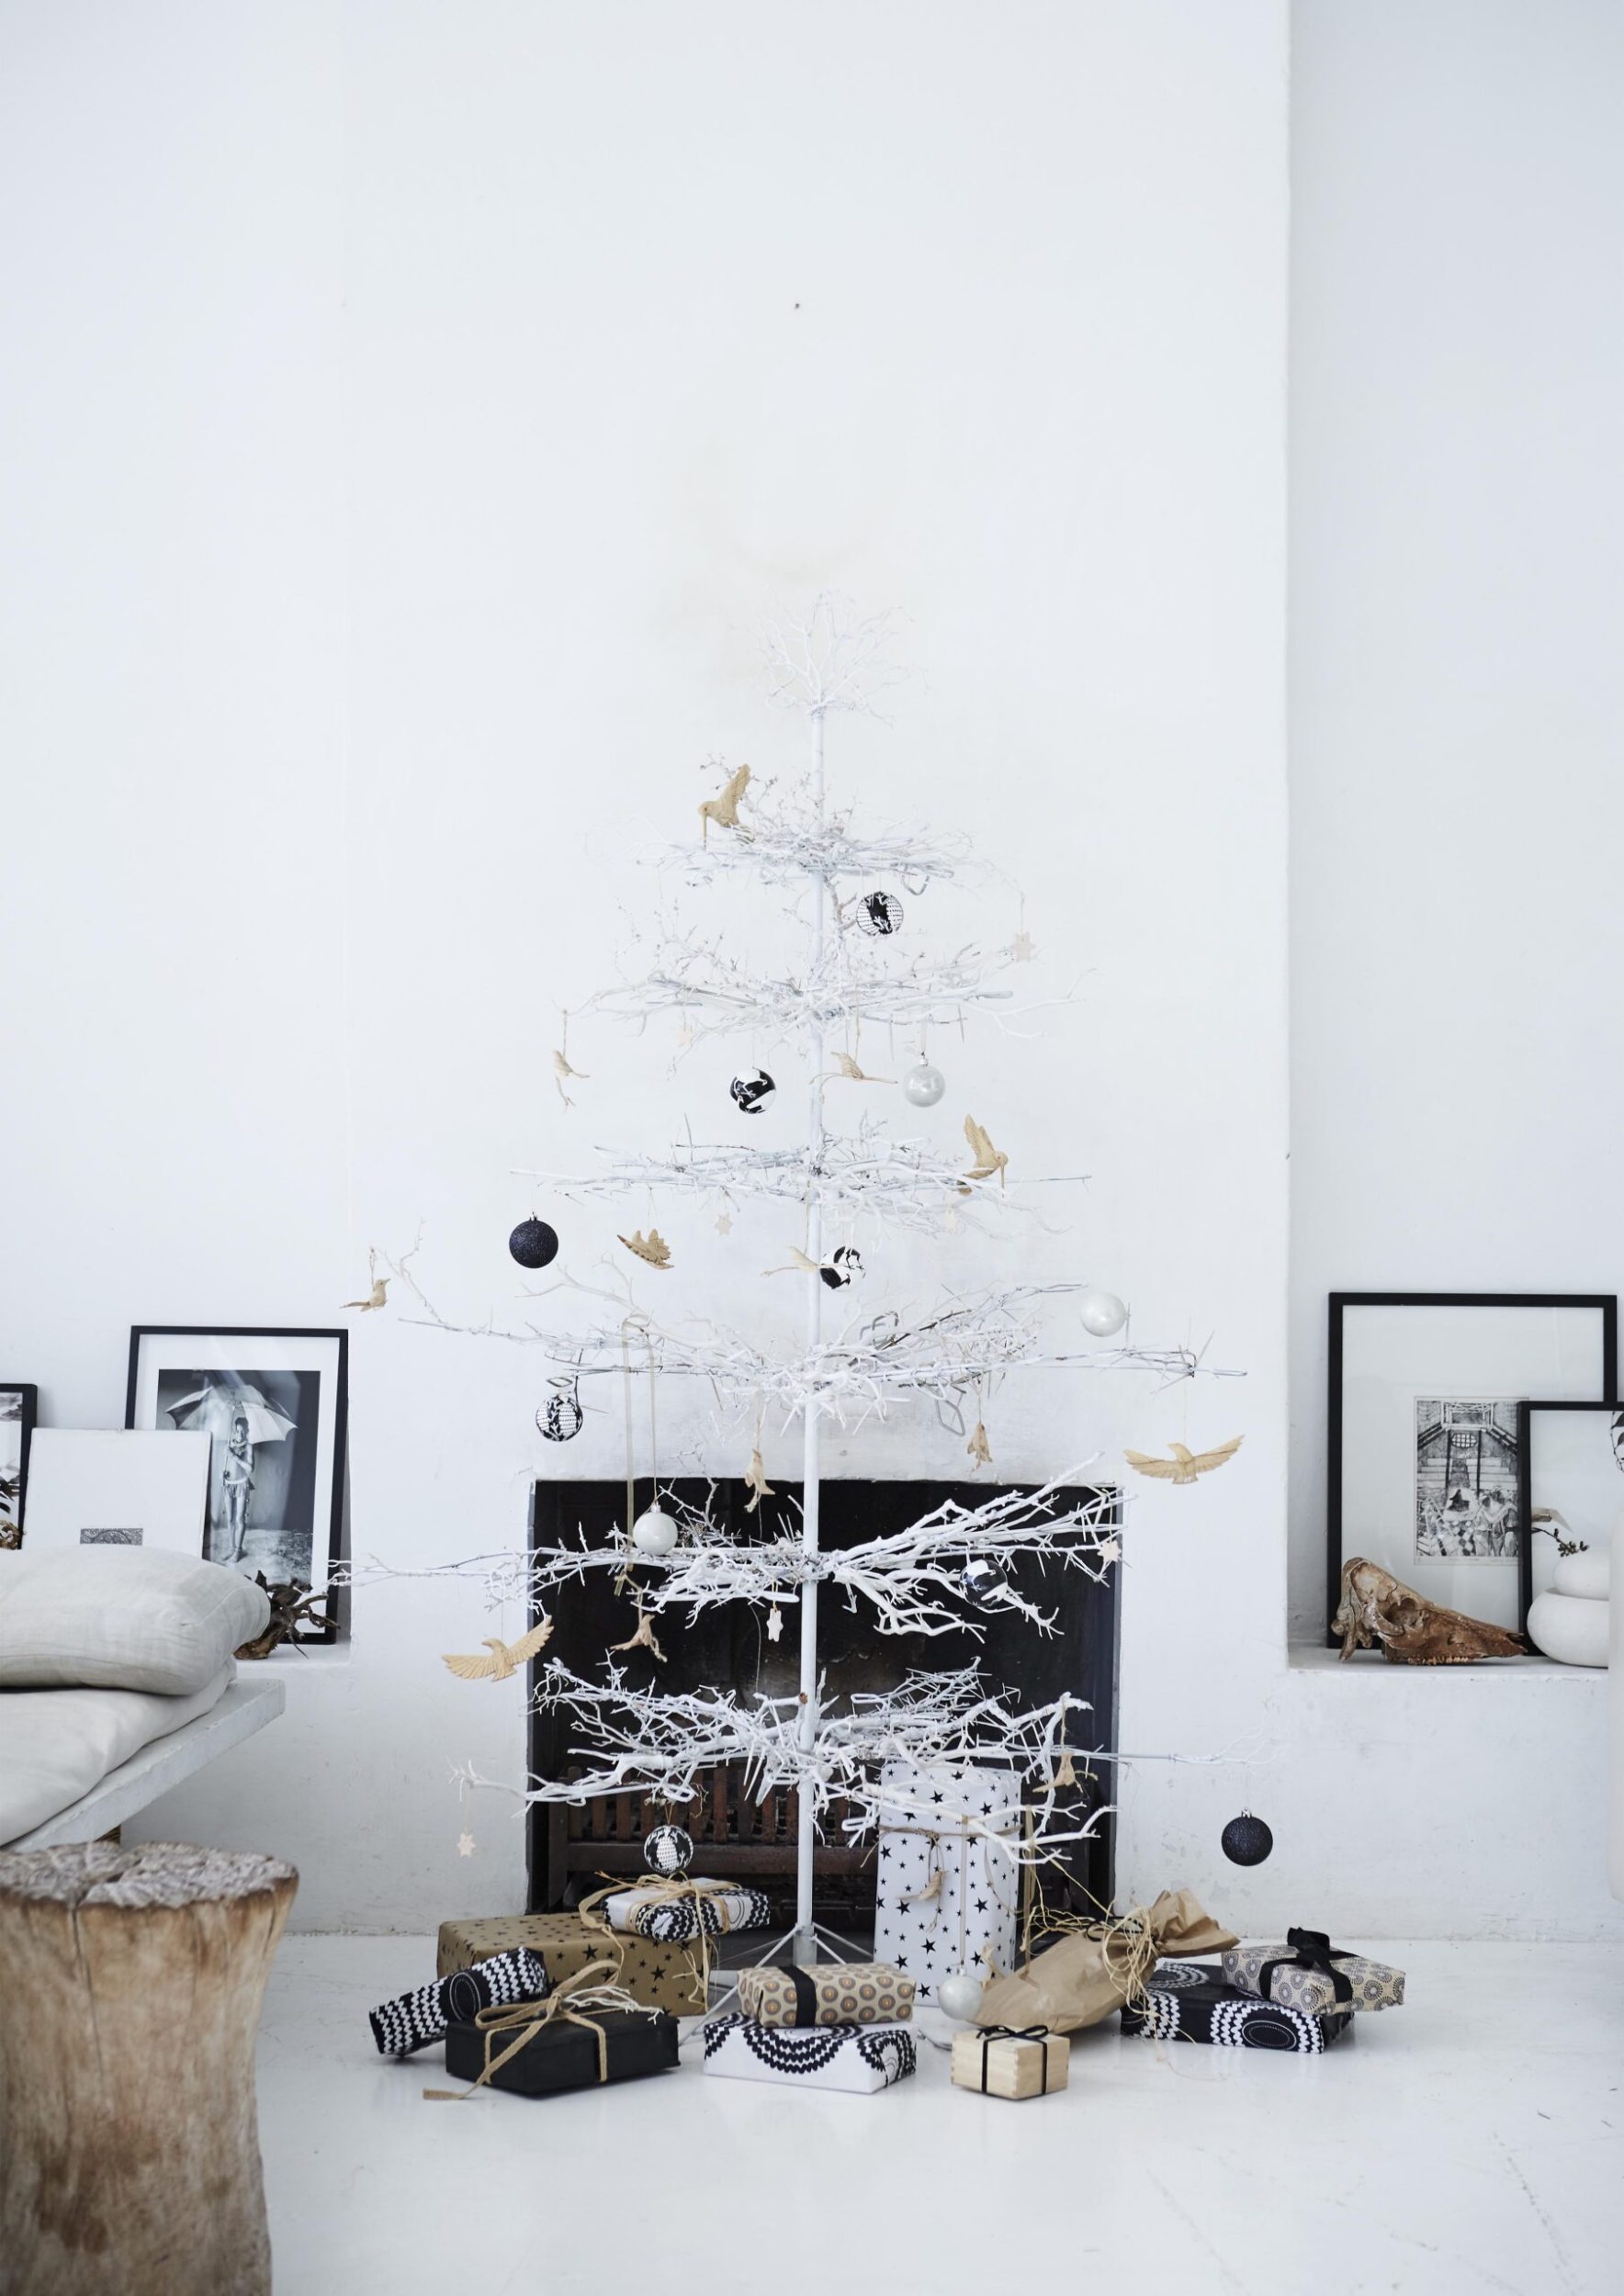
<point x="121" y="1618"/>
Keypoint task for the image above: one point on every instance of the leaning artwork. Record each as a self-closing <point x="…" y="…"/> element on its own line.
<point x="1465" y="1478"/>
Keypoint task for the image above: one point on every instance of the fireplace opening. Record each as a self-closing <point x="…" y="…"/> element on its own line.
<point x="738" y="1836"/>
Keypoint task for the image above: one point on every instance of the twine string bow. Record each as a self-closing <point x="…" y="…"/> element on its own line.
<point x="571" y="2002"/>
<point x="674" y="1889"/>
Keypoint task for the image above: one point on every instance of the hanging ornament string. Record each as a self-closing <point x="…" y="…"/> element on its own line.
<point x="641" y="1325"/>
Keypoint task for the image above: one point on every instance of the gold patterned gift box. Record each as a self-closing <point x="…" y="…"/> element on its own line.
<point x="1000" y="2062"/>
<point x="829" y="1992"/>
<point x="668" y="1977"/>
<point x="1309" y="1972"/>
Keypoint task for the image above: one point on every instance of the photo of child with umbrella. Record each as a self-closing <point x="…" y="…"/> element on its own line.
<point x="260" y="1481"/>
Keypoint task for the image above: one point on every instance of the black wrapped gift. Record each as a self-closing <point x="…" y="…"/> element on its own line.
<point x="1190" y="2004"/>
<point x="535" y="2048"/>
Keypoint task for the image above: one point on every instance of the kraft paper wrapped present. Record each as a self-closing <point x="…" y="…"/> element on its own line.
<point x="1190" y="2004"/>
<point x="670" y="1978"/>
<point x="828" y="1993"/>
<point x="1309" y="1972"/>
<point x="1099" y="1966"/>
<point x="947" y="1898"/>
<point x="1003" y="2063"/>
<point x="673" y="1911"/>
<point x="859" y="2059"/>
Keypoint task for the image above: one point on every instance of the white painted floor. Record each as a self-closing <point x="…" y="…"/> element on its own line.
<point x="1472" y="2141"/>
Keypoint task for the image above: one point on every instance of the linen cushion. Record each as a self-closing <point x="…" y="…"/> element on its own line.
<point x="121" y="1618"/>
<point x="56" y="1744"/>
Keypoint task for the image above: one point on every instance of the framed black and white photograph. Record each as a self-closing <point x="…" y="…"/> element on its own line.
<point x="19" y="1402"/>
<point x="1426" y="1456"/>
<point x="274" y="1404"/>
<point x="1570" y="1496"/>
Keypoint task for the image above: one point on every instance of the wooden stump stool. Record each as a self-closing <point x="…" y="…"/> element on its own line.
<point x="130" y="1984"/>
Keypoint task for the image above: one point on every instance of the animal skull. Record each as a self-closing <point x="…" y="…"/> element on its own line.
<point x="1378" y="1608"/>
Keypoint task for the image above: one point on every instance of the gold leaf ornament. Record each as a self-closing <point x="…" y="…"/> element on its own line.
<point x="651" y="1248"/>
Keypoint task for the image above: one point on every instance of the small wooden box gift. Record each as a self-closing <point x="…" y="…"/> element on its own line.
<point x="1001" y="2061"/>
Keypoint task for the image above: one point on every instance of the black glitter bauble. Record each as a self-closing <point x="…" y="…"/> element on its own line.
<point x="533" y="1243"/>
<point x="845" y="1261"/>
<point x="1247" y="1840"/>
<point x="668" y="1849"/>
<point x="752" y="1092"/>
<point x="879" y="913"/>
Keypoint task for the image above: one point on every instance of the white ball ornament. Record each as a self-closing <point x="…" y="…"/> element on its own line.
<point x="654" y="1532"/>
<point x="1103" y="1313"/>
<point x="960" y="1997"/>
<point x="924" y="1086"/>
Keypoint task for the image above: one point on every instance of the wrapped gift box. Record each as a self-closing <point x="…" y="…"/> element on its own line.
<point x="859" y="2059"/>
<point x="615" y="2045"/>
<point x="1301" y="1985"/>
<point x="668" y="1977"/>
<point x="1003" y="2063"/>
<point x="1190" y="2004"/>
<point x="829" y="1992"/>
<point x="946" y="1898"/>
<point x="413" y="2020"/>
<point x="674" y="1912"/>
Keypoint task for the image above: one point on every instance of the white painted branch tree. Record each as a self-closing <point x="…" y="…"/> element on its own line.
<point x="792" y="837"/>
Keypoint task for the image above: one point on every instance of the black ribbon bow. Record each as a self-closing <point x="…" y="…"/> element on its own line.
<point x="805" y="1997"/>
<point x="1311" y="1949"/>
<point x="989" y="2033"/>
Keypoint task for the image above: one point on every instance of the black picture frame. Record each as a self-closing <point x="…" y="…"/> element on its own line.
<point x="28" y="1414"/>
<point x="1525" y="1489"/>
<point x="1603" y="1303"/>
<point x="138" y="1333"/>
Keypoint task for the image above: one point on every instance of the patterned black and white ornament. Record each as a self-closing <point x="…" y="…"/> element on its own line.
<point x="560" y="1418"/>
<point x="879" y="913"/>
<point x="844" y="1263"/>
<point x="980" y="1579"/>
<point x="533" y="1243"/>
<point x="668" y="1849"/>
<point x="751" y="1094"/>
<point x="1247" y="1840"/>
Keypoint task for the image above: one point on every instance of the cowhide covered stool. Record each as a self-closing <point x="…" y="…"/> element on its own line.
<point x="130" y="1985"/>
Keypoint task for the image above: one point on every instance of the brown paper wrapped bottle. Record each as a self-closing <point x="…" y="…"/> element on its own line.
<point x="1094" y="1970"/>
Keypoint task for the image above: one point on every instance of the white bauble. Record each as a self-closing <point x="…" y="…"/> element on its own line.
<point x="654" y="1532"/>
<point x="960" y="1997"/>
<point x="1589" y="1576"/>
<point x="1569" y="1628"/>
<point x="924" y="1086"/>
<point x="1103" y="1313"/>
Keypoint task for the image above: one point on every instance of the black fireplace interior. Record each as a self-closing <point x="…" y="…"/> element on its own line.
<point x="728" y="1648"/>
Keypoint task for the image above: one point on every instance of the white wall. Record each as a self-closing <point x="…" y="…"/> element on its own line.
<point x="420" y="407"/>
<point x="1457" y="717"/>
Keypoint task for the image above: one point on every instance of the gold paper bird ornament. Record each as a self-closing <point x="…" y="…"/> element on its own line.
<point x="505" y="1658"/>
<point x="1064" y="1770"/>
<point x="643" y="1639"/>
<point x="989" y="1159"/>
<point x="979" y="1449"/>
<point x="846" y="1068"/>
<point x="379" y="1295"/>
<point x="756" y="1483"/>
<point x="652" y="1247"/>
<point x="723" y="809"/>
<point x="561" y="1069"/>
<point x="1184" y="1466"/>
